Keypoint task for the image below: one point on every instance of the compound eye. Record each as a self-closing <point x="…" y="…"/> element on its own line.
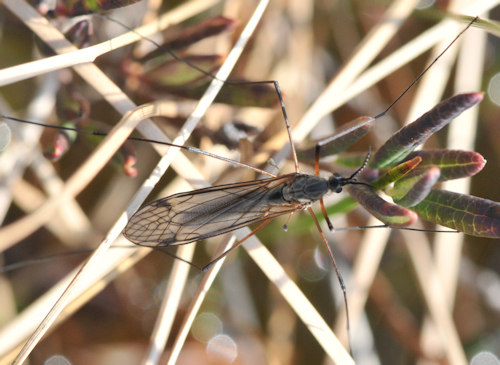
<point x="339" y="189"/>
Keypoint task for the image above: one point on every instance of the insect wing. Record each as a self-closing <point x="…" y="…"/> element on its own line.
<point x="203" y="213"/>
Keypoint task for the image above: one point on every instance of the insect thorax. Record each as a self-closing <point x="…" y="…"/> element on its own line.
<point x="305" y="189"/>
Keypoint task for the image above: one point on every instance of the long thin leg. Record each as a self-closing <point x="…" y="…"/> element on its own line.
<point x="316" y="159"/>
<point x="325" y="215"/>
<point x="285" y="116"/>
<point x="316" y="173"/>
<point x="262" y="225"/>
<point x="339" y="276"/>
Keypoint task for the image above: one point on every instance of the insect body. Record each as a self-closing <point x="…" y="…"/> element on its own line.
<point x="203" y="213"/>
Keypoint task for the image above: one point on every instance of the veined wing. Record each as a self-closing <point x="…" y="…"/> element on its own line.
<point x="199" y="214"/>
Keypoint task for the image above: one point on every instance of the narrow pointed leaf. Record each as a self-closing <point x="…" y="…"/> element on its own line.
<point x="342" y="139"/>
<point x="397" y="172"/>
<point x="414" y="187"/>
<point x="407" y="138"/>
<point x="454" y="164"/>
<point x="248" y="94"/>
<point x="391" y="214"/>
<point x="465" y="213"/>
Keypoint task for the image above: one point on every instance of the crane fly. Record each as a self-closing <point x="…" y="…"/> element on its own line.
<point x="199" y="214"/>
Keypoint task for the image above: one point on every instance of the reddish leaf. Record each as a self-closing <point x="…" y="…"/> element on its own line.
<point x="343" y="138"/>
<point x="454" y="164"/>
<point x="415" y="186"/>
<point x="199" y="31"/>
<point x="407" y="138"/>
<point x="391" y="214"/>
<point x="177" y="40"/>
<point x="465" y="213"/>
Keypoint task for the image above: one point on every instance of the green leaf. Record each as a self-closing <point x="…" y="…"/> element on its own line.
<point x="177" y="74"/>
<point x="248" y="94"/>
<point x="415" y="186"/>
<point x="465" y="213"/>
